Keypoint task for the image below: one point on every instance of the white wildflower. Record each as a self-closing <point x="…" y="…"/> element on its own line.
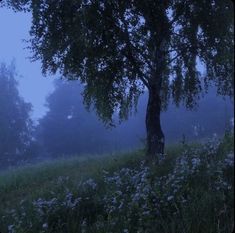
<point x="11" y="228"/>
<point x="170" y="198"/>
<point x="91" y="183"/>
<point x="229" y="161"/>
<point x="44" y="225"/>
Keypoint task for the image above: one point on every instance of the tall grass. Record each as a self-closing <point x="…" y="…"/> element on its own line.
<point x="190" y="191"/>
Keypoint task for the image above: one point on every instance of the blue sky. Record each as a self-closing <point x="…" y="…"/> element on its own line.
<point x="33" y="86"/>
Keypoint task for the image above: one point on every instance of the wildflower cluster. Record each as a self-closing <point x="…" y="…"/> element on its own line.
<point x="198" y="186"/>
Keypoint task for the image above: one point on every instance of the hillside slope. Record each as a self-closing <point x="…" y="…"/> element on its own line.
<point x="191" y="190"/>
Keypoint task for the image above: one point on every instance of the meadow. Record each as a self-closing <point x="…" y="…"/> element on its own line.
<point x="191" y="190"/>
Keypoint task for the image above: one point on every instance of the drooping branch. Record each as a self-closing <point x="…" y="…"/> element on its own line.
<point x="180" y="52"/>
<point x="130" y="48"/>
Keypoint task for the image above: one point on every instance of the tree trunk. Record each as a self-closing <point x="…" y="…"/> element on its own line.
<point x="160" y="37"/>
<point x="155" y="136"/>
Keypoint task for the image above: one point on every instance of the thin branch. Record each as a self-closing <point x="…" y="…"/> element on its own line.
<point x="182" y="50"/>
<point x="143" y="55"/>
<point x="174" y="58"/>
<point x="130" y="48"/>
<point x="145" y="82"/>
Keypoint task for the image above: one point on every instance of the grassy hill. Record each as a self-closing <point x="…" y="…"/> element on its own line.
<point x="190" y="191"/>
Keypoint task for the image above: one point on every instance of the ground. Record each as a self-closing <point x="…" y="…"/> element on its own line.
<point x="191" y="190"/>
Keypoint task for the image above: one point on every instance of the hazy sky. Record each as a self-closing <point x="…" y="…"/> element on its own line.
<point x="34" y="87"/>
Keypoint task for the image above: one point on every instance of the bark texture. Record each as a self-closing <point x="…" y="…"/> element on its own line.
<point x="155" y="136"/>
<point x="160" y="36"/>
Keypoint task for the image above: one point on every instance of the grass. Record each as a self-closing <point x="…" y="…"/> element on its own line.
<point x="36" y="181"/>
<point x="31" y="197"/>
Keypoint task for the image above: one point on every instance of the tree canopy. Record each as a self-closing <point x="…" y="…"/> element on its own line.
<point x="110" y="45"/>
<point x="15" y="122"/>
<point x="68" y="128"/>
<point x="118" y="48"/>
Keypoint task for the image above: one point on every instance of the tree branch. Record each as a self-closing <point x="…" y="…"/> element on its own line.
<point x="130" y="55"/>
<point x="128" y="52"/>
<point x="174" y="58"/>
<point x="182" y="50"/>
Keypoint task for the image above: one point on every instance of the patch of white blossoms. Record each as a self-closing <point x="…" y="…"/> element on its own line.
<point x="134" y="199"/>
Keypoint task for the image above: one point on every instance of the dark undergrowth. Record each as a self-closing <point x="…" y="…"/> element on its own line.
<point x="189" y="191"/>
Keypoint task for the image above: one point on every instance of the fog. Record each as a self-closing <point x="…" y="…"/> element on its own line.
<point x="13" y="46"/>
<point x="116" y="116"/>
<point x="57" y="123"/>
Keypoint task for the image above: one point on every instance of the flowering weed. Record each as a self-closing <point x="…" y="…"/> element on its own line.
<point x="192" y="194"/>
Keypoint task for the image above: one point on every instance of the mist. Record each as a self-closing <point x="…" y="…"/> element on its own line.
<point x="33" y="86"/>
<point x="61" y="126"/>
<point x="116" y="116"/>
<point x="68" y="128"/>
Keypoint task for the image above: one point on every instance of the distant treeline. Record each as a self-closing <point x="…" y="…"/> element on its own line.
<point x="68" y="128"/>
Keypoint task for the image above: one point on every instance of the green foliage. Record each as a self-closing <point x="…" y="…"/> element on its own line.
<point x="15" y="122"/>
<point x="68" y="128"/>
<point x="117" y="47"/>
<point x="193" y="192"/>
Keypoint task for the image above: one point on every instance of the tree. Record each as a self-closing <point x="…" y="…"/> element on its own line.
<point x="68" y="128"/>
<point x="15" y="122"/>
<point x="118" y="48"/>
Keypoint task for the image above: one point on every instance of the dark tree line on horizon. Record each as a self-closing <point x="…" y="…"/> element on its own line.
<point x="15" y="122"/>
<point x="119" y="48"/>
<point x="68" y="129"/>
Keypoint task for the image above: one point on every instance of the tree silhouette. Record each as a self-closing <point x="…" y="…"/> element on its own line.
<point x="15" y="122"/>
<point x="118" y="48"/>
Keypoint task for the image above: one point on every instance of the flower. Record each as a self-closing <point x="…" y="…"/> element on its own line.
<point x="44" y="225"/>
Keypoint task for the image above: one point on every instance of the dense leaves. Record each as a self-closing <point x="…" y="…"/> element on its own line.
<point x="15" y="122"/>
<point x="118" y="48"/>
<point x="69" y="129"/>
<point x="114" y="46"/>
